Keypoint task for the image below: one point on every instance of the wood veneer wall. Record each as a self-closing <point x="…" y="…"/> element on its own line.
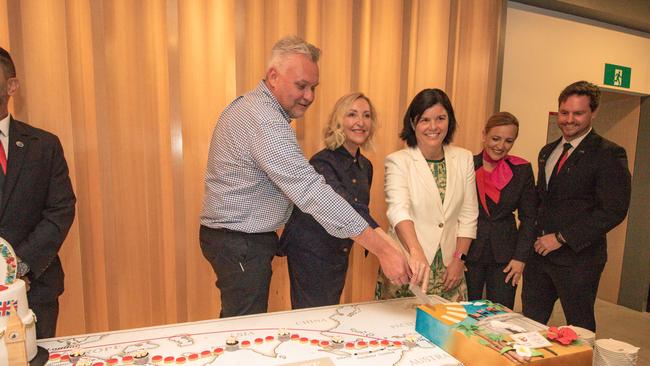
<point x="133" y="89"/>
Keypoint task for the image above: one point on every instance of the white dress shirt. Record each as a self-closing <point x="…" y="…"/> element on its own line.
<point x="4" y="134"/>
<point x="555" y="155"/>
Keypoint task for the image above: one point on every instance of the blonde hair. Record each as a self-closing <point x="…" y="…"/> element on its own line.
<point x="334" y="136"/>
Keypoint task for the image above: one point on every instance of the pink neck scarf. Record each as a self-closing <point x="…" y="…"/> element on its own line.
<point x="491" y="183"/>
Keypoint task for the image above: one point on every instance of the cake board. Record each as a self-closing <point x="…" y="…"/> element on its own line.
<point x="41" y="357"/>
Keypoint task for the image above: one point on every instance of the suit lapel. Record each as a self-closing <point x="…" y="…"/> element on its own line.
<point x="506" y="195"/>
<point x="426" y="177"/>
<point x="452" y="178"/>
<point x="541" y="163"/>
<point x="585" y="146"/>
<point x="478" y="163"/>
<point x="19" y="143"/>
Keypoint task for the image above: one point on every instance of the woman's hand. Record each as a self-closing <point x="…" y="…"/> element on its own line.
<point x="420" y="268"/>
<point x="514" y="269"/>
<point x="454" y="274"/>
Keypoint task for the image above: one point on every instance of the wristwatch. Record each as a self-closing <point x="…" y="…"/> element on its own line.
<point x="460" y="255"/>
<point x="560" y="238"/>
<point x="22" y="269"/>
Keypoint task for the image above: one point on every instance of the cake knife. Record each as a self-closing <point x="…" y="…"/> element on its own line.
<point x="422" y="297"/>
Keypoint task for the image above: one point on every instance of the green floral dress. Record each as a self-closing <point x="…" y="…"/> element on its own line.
<point x="386" y="290"/>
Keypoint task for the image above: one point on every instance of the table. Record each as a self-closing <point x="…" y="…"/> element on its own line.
<point x="372" y="333"/>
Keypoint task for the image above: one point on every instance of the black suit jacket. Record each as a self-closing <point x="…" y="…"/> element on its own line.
<point x="500" y="228"/>
<point x="588" y="198"/>
<point x="37" y="206"/>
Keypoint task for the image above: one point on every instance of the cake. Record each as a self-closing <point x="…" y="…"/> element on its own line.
<point x="17" y="321"/>
<point x="485" y="333"/>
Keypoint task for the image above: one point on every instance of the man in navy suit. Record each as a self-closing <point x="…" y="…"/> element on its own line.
<point x="584" y="191"/>
<point x="37" y="204"/>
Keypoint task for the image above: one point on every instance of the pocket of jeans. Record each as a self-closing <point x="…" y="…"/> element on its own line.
<point x="232" y="249"/>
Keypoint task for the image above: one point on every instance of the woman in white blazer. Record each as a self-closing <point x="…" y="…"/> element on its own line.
<point x="431" y="196"/>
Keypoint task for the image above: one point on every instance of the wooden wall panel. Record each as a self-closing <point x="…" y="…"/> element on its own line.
<point x="208" y="83"/>
<point x="4" y="26"/>
<point x="136" y="88"/>
<point x="472" y="70"/>
<point x="53" y="113"/>
<point x="90" y="197"/>
<point x="428" y="51"/>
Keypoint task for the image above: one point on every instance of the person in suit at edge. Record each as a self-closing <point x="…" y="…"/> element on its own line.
<point x="583" y="186"/>
<point x="37" y="203"/>
<point x="431" y="197"/>
<point x="318" y="261"/>
<point x="504" y="184"/>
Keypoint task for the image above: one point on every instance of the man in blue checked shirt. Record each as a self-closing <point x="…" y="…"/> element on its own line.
<point x="256" y="172"/>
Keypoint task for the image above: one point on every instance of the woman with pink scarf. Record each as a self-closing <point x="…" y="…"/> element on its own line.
<point x="504" y="184"/>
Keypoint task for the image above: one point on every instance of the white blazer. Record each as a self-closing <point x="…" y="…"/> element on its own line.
<point x="412" y="194"/>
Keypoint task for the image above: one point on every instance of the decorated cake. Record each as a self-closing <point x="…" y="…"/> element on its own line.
<point x="485" y="333"/>
<point x="17" y="321"/>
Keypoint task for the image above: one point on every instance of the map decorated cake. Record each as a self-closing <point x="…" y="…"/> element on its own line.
<point x="17" y="321"/>
<point x="378" y="333"/>
<point x="485" y="333"/>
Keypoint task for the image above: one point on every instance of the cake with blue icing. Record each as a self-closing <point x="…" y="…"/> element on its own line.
<point x="489" y="334"/>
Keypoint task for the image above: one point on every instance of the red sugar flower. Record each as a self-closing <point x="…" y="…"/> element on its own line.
<point x="564" y="335"/>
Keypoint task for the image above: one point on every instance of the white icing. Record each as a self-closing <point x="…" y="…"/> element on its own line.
<point x="15" y="292"/>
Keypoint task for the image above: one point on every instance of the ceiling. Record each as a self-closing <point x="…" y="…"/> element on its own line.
<point x="632" y="14"/>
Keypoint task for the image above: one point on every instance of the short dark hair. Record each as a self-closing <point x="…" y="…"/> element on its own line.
<point x="581" y="88"/>
<point x="7" y="64"/>
<point x="424" y="100"/>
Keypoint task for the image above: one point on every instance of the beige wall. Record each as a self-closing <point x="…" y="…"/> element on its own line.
<point x="543" y="53"/>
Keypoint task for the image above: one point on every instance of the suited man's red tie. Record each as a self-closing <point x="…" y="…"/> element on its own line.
<point x="3" y="159"/>
<point x="565" y="149"/>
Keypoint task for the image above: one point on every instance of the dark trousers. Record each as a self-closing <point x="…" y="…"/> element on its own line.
<point x="317" y="275"/>
<point x="490" y="276"/>
<point x="46" y="316"/>
<point x="575" y="286"/>
<point x="242" y="263"/>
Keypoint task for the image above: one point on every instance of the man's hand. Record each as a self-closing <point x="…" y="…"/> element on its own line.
<point x="395" y="267"/>
<point x="514" y="269"/>
<point x="454" y="274"/>
<point x="546" y="244"/>
<point x="392" y="260"/>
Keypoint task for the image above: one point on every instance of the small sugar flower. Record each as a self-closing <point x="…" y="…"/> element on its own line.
<point x="523" y="351"/>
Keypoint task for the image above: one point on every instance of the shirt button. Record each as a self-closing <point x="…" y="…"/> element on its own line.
<point x="345" y="250"/>
<point x="354" y="181"/>
<point x="356" y="200"/>
<point x="441" y="224"/>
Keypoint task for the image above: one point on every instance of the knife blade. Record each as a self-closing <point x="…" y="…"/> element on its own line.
<point x="421" y="296"/>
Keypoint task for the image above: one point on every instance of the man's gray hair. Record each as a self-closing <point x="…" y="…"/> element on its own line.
<point x="292" y="45"/>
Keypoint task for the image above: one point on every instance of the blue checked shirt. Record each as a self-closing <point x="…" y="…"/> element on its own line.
<point x="256" y="170"/>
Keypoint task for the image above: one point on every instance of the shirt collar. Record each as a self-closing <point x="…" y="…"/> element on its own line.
<point x="264" y="89"/>
<point x="4" y="125"/>
<point x="575" y="142"/>
<point x="349" y="159"/>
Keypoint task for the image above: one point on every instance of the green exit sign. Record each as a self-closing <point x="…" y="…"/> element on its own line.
<point x="616" y="75"/>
